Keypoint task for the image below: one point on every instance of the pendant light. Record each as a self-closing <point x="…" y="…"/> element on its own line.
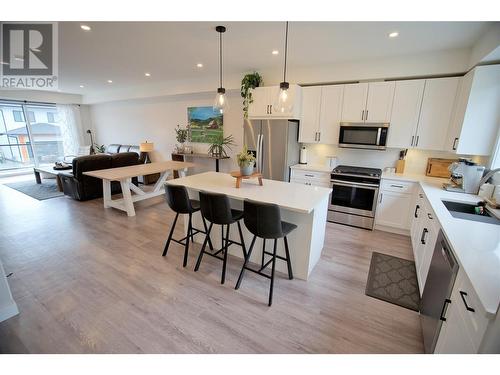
<point x="283" y="103"/>
<point x="221" y="103"/>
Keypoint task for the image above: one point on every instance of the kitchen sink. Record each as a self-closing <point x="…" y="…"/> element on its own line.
<point x="466" y="211"/>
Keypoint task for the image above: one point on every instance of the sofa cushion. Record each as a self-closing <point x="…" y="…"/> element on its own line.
<point x="112" y="149"/>
<point x="124" y="159"/>
<point x="124" y="148"/>
<point x="90" y="163"/>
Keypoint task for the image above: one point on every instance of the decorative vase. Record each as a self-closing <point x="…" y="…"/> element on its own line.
<point x="246" y="170"/>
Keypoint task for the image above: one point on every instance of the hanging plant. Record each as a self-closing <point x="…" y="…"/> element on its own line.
<point x="248" y="83"/>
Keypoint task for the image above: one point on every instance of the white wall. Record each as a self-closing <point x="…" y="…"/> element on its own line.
<point x="154" y="120"/>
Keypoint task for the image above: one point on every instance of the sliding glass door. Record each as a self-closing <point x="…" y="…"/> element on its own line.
<point x="30" y="135"/>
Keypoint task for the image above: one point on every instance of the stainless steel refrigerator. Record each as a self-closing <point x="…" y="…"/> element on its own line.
<point x="275" y="145"/>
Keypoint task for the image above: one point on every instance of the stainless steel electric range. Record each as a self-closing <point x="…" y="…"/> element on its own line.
<point x="354" y="195"/>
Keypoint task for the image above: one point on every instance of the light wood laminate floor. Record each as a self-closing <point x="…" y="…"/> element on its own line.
<point x="90" y="280"/>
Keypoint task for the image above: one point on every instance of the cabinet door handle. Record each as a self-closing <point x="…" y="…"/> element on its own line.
<point x="446" y="302"/>
<point x="416" y="143"/>
<point x="455" y="144"/>
<point x="309" y="175"/>
<point x="412" y="139"/>
<point x="424" y="232"/>
<point x="463" y="294"/>
<point x="381" y="195"/>
<point x="366" y="115"/>
<point x="416" y="210"/>
<point x="270" y="109"/>
<point x="398" y="186"/>
<point x="267" y="109"/>
<point x="362" y="115"/>
<point x="319" y="136"/>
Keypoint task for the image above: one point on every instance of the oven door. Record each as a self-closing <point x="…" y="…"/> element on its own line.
<point x="353" y="197"/>
<point x="369" y="136"/>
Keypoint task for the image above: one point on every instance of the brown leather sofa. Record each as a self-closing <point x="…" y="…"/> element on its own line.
<point x="81" y="187"/>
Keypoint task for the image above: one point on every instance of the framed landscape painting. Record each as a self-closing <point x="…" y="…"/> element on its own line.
<point x="205" y="124"/>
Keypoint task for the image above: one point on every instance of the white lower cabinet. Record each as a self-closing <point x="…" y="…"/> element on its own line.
<point x="394" y="201"/>
<point x="466" y="321"/>
<point x="312" y="178"/>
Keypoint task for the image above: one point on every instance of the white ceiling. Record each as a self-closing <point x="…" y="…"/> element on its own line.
<point x="124" y="51"/>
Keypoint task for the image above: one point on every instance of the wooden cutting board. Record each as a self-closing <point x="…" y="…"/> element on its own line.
<point x="437" y="167"/>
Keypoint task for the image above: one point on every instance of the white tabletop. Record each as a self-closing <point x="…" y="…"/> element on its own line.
<point x="295" y="197"/>
<point x="120" y="173"/>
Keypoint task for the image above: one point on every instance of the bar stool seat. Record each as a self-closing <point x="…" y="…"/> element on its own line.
<point x="263" y="220"/>
<point x="178" y="200"/>
<point x="216" y="209"/>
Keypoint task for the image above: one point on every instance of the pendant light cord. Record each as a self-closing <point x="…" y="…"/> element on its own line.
<point x="286" y="51"/>
<point x="220" y="57"/>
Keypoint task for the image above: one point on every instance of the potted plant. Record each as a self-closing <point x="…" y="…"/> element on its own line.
<point x="220" y="145"/>
<point x="181" y="135"/>
<point x="246" y="161"/>
<point x="248" y="83"/>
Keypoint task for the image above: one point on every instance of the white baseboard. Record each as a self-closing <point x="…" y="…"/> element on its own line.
<point x="8" y="311"/>
<point x="385" y="228"/>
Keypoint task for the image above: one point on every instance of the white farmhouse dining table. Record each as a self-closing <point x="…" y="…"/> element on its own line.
<point x="124" y="176"/>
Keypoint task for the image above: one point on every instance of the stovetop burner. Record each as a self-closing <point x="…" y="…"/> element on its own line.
<point x="359" y="171"/>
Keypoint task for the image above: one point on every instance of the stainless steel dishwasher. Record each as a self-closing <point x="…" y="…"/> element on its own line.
<point x="437" y="291"/>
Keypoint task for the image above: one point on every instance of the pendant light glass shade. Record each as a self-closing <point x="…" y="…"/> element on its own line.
<point x="283" y="102"/>
<point x="220" y="104"/>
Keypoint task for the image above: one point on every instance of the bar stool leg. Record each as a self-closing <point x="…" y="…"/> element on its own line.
<point x="288" y="260"/>
<point x="186" y="246"/>
<point x="202" y="251"/>
<point x="242" y="241"/>
<point x="226" y="248"/>
<point x="272" y="274"/>
<point x="263" y="253"/>
<point x="209" y="240"/>
<point x="247" y="258"/>
<point x="170" y="236"/>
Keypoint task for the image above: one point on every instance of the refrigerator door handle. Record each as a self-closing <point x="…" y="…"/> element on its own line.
<point x="261" y="150"/>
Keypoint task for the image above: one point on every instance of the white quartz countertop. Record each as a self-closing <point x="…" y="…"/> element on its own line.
<point x="295" y="197"/>
<point x="312" y="167"/>
<point x="476" y="245"/>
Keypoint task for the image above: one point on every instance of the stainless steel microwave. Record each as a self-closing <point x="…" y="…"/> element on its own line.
<point x="363" y="135"/>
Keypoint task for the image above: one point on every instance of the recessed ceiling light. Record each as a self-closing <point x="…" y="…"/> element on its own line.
<point x="85" y="27"/>
<point x="393" y="34"/>
<point x="82" y="86"/>
<point x="275" y="52"/>
<point x="199" y="65"/>
<point x="110" y="81"/>
<point x="147" y="74"/>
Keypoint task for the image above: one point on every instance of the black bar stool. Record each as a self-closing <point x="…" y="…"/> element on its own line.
<point x="178" y="200"/>
<point x="217" y="210"/>
<point x="263" y="220"/>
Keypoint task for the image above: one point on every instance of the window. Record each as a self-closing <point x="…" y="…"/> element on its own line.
<point x="51" y="117"/>
<point x="31" y="117"/>
<point x="18" y="116"/>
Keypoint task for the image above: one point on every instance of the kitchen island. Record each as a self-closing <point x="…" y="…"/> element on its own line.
<point x="305" y="206"/>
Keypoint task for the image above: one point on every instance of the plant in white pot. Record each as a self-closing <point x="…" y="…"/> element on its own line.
<point x="246" y="161"/>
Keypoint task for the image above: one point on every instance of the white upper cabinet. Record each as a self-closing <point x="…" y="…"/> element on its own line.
<point x="436" y="113"/>
<point x="265" y="99"/>
<point x="405" y="112"/>
<point x="379" y="101"/>
<point x="311" y="105"/>
<point x="331" y="110"/>
<point x="321" y="110"/>
<point x="367" y="102"/>
<point x="475" y="123"/>
<point x="354" y="105"/>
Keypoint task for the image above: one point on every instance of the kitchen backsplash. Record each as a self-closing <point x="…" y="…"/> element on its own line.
<point x="416" y="160"/>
